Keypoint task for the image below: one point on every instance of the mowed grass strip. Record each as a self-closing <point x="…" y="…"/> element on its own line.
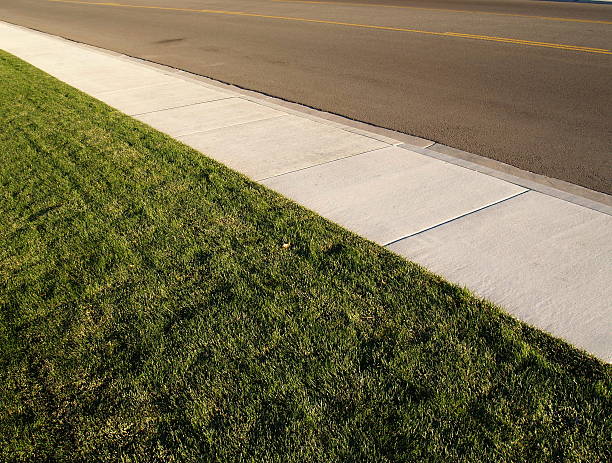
<point x="157" y="306"/>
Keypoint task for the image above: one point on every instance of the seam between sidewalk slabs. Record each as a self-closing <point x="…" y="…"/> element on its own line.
<point x="323" y="163"/>
<point x="140" y="87"/>
<point x="177" y="137"/>
<point x="480" y="209"/>
<point x="181" y="106"/>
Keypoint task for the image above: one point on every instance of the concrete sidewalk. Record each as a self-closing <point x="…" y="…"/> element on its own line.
<point x="543" y="254"/>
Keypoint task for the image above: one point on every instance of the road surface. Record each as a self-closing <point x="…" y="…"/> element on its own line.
<point x="525" y="82"/>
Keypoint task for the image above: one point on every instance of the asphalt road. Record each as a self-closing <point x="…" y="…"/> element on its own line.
<point x="525" y="82"/>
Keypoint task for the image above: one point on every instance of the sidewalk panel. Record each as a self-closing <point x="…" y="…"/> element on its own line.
<point x="545" y="260"/>
<point x="208" y="116"/>
<point x="160" y="97"/>
<point x="390" y="193"/>
<point x="276" y="146"/>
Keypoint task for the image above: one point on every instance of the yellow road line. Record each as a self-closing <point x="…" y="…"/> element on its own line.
<point x="364" y="26"/>
<point x="447" y="10"/>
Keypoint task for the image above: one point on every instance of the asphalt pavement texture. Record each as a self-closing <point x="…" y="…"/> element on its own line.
<point x="525" y="82"/>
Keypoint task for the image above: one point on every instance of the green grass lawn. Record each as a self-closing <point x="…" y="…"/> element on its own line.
<point x="157" y="306"/>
